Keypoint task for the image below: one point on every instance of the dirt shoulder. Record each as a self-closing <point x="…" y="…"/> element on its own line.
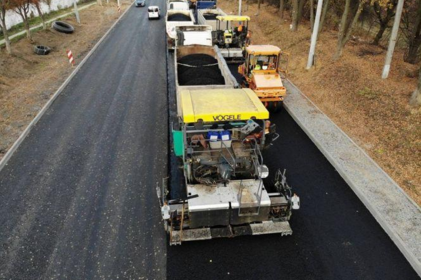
<point x="28" y="80"/>
<point x="373" y="112"/>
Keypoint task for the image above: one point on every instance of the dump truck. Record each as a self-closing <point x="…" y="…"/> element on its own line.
<point x="176" y="18"/>
<point x="221" y="193"/>
<point x="208" y="17"/>
<point x="261" y="73"/>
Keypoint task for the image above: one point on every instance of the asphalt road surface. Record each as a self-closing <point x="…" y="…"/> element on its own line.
<point x="78" y="199"/>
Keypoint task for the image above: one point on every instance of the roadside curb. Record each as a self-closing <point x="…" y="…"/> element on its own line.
<point x="28" y="129"/>
<point x="394" y="210"/>
<point x="20" y="33"/>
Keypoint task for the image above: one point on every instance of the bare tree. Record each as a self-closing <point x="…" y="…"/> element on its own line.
<point x="349" y="18"/>
<point x="322" y="21"/>
<point x="4" y="6"/>
<point x="412" y="30"/>
<point x="21" y="7"/>
<point x="384" y="11"/>
<point x="295" y="6"/>
<point x="312" y="13"/>
<point x="416" y="96"/>
<point x="282" y="8"/>
<point x="37" y="4"/>
<point x="300" y="9"/>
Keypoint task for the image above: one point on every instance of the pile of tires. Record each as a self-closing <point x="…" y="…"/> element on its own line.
<point x="63" y="27"/>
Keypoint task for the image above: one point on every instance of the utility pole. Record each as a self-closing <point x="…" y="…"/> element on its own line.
<point x="239" y="7"/>
<point x="392" y="41"/>
<point x="314" y="35"/>
<point x="76" y="11"/>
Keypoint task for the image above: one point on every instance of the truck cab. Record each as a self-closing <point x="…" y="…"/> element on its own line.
<point x="260" y="72"/>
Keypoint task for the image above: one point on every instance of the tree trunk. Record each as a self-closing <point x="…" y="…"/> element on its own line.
<point x="5" y="33"/>
<point x="28" y="29"/>
<point x="346" y="27"/>
<point x="294" y="25"/>
<point x="342" y="30"/>
<point x="390" y="13"/>
<point x="416" y="96"/>
<point x="312" y="13"/>
<point x="354" y="21"/>
<point x="322" y="21"/>
<point x="380" y="33"/>
<point x="44" y="25"/>
<point x="282" y="7"/>
<point x="23" y="11"/>
<point x="300" y="9"/>
<point x="258" y="6"/>
<point x="411" y="55"/>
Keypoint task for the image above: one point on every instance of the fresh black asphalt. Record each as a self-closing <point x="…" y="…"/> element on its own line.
<point x="78" y="198"/>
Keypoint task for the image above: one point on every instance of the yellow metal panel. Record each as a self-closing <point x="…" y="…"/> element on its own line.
<point x="267" y="80"/>
<point x="187" y="106"/>
<point x="263" y="50"/>
<point x="215" y="105"/>
<point x="233" y="18"/>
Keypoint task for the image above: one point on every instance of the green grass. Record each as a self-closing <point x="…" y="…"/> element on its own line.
<point x="37" y="20"/>
<point x="368" y="93"/>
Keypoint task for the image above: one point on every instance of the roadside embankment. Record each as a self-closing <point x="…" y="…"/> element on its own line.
<point x="28" y="80"/>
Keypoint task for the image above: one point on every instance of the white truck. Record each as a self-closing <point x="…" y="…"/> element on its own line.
<point x="176" y="18"/>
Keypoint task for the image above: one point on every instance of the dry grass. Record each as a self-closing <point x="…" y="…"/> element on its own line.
<point x="28" y="80"/>
<point x="373" y="112"/>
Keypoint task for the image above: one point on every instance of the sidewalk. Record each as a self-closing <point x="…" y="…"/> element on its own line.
<point x="393" y="209"/>
<point x="2" y="42"/>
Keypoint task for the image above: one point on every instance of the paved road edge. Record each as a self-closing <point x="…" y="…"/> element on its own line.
<point x="47" y="105"/>
<point x="383" y="218"/>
